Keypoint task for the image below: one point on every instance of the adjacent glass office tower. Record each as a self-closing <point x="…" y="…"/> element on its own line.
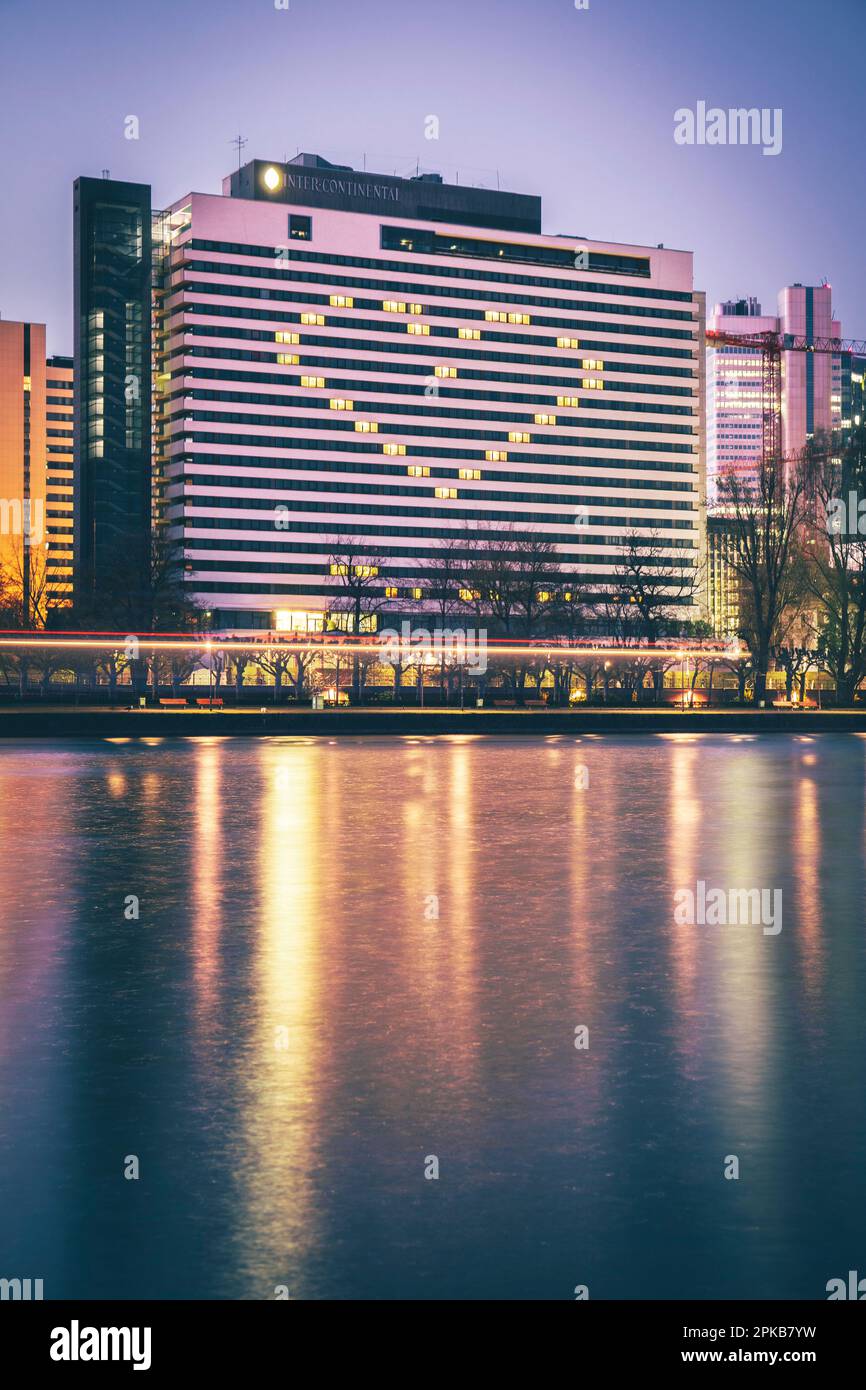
<point x="112" y="295"/>
<point x="348" y="360"/>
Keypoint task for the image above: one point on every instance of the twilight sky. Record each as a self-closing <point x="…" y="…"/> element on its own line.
<point x="575" y="105"/>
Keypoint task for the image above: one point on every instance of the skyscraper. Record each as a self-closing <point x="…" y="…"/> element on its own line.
<point x="812" y="384"/>
<point x="734" y="414"/>
<point x="35" y="470"/>
<point x="348" y="360"/>
<point x="22" y="460"/>
<point x="112" y="298"/>
<point x="59" y="468"/>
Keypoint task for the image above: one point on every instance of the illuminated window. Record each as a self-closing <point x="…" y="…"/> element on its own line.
<point x="313" y="318"/>
<point x="316" y="382"/>
<point x="470" y="474"/>
<point x="393" y="306"/>
<point x="27" y="383"/>
<point x="519" y="318"/>
<point x="360" y="571"/>
<point x="496" y="456"/>
<point x="287" y="337"/>
<point x="518" y="436"/>
<point x="367" y="426"/>
<point x="418" y="328"/>
<point x="445" y="491"/>
<point x="288" y="359"/>
<point x="300" y="227"/>
<point x="495" y="316"/>
<point x="545" y="419"/>
<point x="592" y="384"/>
<point x="416" y="308"/>
<point x="591" y="364"/>
<point x="418" y="470"/>
<point x="445" y="371"/>
<point x="342" y="301"/>
<point x="392" y="449"/>
<point x="296" y="620"/>
<point x="567" y="342"/>
<point x="543" y="596"/>
<point x="469" y="333"/>
<point x="415" y="593"/>
<point x="568" y="400"/>
<point x="340" y="404"/>
<point x="467" y="595"/>
<point x="391" y="592"/>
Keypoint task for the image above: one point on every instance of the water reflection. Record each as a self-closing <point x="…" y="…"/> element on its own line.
<point x="352" y="956"/>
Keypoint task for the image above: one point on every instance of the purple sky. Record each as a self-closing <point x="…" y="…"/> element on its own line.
<point x="575" y="105"/>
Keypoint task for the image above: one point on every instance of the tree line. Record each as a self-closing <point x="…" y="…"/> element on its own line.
<point x="795" y="552"/>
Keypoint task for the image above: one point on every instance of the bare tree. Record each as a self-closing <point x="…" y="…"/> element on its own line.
<point x="834" y="563"/>
<point x="24" y="586"/>
<point x="766" y="518"/>
<point x="360" y="595"/>
<point x="275" y="662"/>
<point x="654" y="585"/>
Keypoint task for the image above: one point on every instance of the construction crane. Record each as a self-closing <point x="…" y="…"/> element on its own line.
<point x="771" y="346"/>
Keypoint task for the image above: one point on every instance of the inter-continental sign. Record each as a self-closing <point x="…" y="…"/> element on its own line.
<point x="309" y="183"/>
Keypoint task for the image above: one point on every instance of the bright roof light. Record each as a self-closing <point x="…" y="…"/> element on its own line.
<point x="271" y="178"/>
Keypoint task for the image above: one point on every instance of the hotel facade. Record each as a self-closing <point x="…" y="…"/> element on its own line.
<point x="349" y="362"/>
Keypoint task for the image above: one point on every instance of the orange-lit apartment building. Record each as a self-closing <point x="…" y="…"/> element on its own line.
<point x="58" y="467"/>
<point x="35" y="465"/>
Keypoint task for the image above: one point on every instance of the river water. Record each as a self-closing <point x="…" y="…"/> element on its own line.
<point x="288" y="980"/>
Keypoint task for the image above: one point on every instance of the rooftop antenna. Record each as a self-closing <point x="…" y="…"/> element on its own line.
<point x="240" y="141"/>
<point x="106" y="173"/>
<point x="497" y="180"/>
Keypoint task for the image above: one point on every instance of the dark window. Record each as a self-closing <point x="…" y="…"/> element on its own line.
<point x="300" y="228"/>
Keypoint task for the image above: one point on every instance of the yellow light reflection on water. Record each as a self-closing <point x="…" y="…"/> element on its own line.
<point x="807" y="873"/>
<point x="282" y="1066"/>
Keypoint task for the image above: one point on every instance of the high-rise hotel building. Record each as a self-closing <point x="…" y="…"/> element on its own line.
<point x="348" y="361"/>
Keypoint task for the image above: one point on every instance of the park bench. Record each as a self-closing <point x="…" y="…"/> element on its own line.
<point x="535" y="704"/>
<point x="171" y="701"/>
<point x="504" y="704"/>
<point x="215" y="703"/>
